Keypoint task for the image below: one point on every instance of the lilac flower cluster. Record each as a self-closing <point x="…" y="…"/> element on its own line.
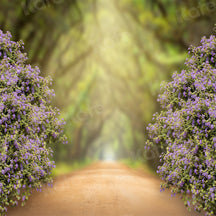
<point x="186" y="130"/>
<point x="28" y="124"/>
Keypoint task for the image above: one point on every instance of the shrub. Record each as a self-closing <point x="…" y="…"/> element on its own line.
<point x="28" y="124"/>
<point x="186" y="130"/>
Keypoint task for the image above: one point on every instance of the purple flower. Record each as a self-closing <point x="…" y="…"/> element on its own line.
<point x="22" y="114"/>
<point x="188" y="143"/>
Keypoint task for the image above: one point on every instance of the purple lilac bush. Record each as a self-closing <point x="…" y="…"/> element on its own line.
<point x="186" y="130"/>
<point x="28" y="124"/>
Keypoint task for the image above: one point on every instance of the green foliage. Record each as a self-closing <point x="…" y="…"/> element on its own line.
<point x="131" y="44"/>
<point x="139" y="165"/>
<point x="66" y="168"/>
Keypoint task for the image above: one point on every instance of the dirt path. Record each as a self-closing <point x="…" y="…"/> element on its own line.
<point x="103" y="189"/>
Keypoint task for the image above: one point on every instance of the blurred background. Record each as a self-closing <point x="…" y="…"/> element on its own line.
<point x="107" y="59"/>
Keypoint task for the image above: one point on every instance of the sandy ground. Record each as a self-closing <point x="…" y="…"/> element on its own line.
<point x="103" y="189"/>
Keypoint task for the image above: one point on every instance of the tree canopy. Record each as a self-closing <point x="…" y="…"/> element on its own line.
<point x="107" y="60"/>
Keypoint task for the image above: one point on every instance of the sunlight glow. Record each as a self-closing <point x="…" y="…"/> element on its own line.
<point x="109" y="156"/>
